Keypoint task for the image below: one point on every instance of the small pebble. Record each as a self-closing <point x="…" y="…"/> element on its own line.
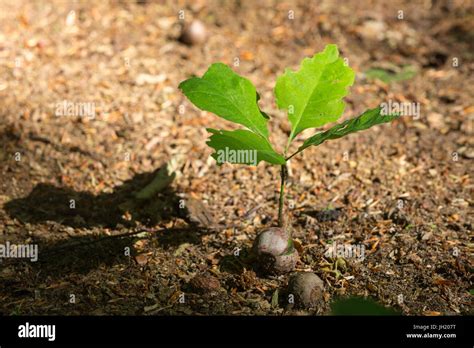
<point x="194" y="33"/>
<point x="204" y="283"/>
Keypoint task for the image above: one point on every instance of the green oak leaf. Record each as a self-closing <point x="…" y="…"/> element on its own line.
<point x="360" y="306"/>
<point x="388" y="76"/>
<point x="245" y="146"/>
<point x="368" y="119"/>
<point x="228" y="95"/>
<point x="313" y="94"/>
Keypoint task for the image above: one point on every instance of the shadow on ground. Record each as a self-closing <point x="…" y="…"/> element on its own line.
<point x="82" y="209"/>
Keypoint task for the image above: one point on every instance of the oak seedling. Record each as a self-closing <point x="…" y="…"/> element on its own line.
<point x="312" y="96"/>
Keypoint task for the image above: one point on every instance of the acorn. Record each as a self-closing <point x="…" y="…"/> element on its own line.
<point x="205" y="284"/>
<point x="194" y="33"/>
<point x="274" y="251"/>
<point x="307" y="289"/>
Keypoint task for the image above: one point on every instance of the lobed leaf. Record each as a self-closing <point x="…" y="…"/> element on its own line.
<point x="228" y="95"/>
<point x="313" y="94"/>
<point x="253" y="147"/>
<point x="366" y="120"/>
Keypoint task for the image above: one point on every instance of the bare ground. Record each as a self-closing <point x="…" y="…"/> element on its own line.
<point x="403" y="191"/>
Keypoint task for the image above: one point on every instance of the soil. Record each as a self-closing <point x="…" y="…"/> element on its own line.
<point x="402" y="191"/>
